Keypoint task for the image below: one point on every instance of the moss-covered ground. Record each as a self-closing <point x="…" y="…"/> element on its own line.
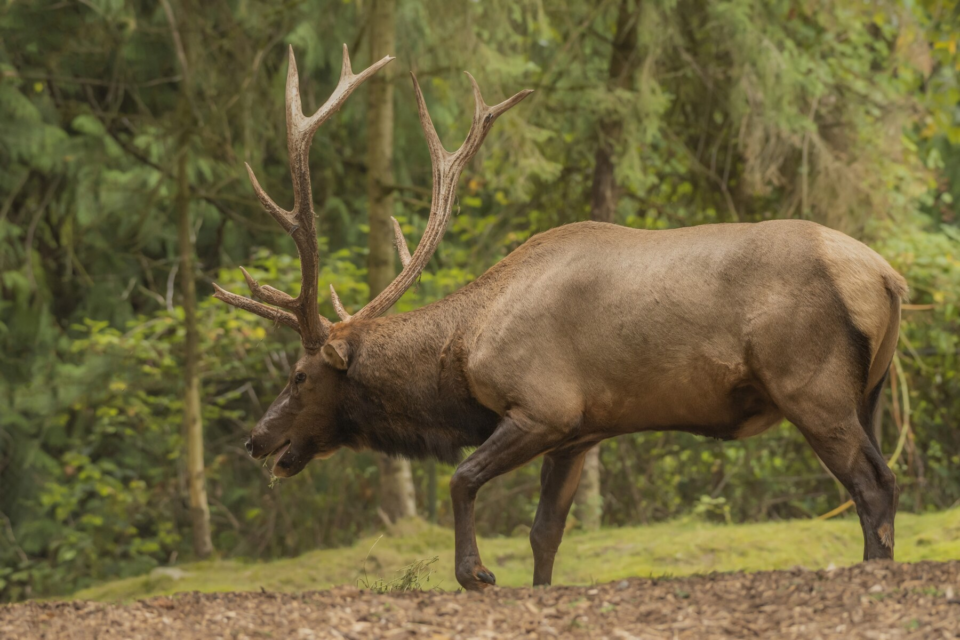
<point x="678" y="548"/>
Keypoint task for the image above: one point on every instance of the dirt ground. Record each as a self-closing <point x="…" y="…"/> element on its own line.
<point x="875" y="600"/>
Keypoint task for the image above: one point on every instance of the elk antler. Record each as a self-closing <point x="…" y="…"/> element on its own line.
<point x="447" y="168"/>
<point x="301" y="312"/>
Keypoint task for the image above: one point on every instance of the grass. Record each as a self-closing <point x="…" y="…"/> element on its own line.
<point x="678" y="548"/>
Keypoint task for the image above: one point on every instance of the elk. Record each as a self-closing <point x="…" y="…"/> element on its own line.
<point x="585" y="332"/>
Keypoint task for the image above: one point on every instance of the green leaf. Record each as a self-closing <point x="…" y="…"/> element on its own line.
<point x="89" y="125"/>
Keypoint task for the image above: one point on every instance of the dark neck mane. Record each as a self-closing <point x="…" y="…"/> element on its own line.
<point x="405" y="392"/>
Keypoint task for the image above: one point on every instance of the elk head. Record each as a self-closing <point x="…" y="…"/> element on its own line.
<point x="300" y="424"/>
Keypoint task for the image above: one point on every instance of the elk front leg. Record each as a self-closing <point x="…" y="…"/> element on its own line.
<point x="559" y="479"/>
<point x="515" y="442"/>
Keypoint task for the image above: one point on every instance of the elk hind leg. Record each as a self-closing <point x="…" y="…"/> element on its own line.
<point x="848" y="452"/>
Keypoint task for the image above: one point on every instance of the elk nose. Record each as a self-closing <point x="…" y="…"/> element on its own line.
<point x="249" y="446"/>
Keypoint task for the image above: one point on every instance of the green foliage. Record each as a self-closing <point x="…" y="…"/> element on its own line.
<point x="930" y="350"/>
<point x="841" y="112"/>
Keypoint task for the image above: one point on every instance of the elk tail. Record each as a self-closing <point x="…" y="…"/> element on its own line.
<point x="896" y="285"/>
<point x="897" y="290"/>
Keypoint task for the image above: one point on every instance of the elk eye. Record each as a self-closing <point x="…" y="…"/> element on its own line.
<point x="300" y="378"/>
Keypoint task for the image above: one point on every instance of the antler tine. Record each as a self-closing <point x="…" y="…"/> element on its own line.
<point x="262" y="310"/>
<point x="268" y="294"/>
<point x="437" y="151"/>
<point x="447" y="168"/>
<point x="402" y="249"/>
<point x="338" y="306"/>
<point x="279" y="214"/>
<point x="400" y="242"/>
<point x="484" y="117"/>
<point x="299" y="221"/>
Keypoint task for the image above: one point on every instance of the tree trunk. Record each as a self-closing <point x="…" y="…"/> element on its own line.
<point x="431" y="465"/>
<point x="396" y="480"/>
<point x="397" y="498"/>
<point x="192" y="424"/>
<point x="603" y="208"/>
<point x="588" y="501"/>
<point x="623" y="64"/>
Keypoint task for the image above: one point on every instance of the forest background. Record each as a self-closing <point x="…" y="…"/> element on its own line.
<point x="124" y="126"/>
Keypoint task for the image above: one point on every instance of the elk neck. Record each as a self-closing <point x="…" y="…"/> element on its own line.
<point x="405" y="392"/>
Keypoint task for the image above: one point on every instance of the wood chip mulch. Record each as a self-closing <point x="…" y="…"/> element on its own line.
<point x="874" y="600"/>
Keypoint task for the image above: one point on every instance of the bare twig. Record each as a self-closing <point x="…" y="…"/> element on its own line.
<point x="93" y="82"/>
<point x="230" y="517"/>
<point x="574" y="38"/>
<point x="129" y="289"/>
<point x="171" y="278"/>
<point x="903" y="424"/>
<point x="8" y="203"/>
<point x="181" y="56"/>
<point x="153" y="294"/>
<point x="13" y="538"/>
<point x="141" y="327"/>
<point x="916" y="355"/>
<point x="215" y="201"/>
<point x="699" y="167"/>
<point x="32" y="229"/>
<point x="239" y="390"/>
<point x="804" y="164"/>
<point x="729" y="474"/>
<point x="413" y="202"/>
<point x="252" y="394"/>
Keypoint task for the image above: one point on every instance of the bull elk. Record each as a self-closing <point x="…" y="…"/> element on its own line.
<point x="586" y="332"/>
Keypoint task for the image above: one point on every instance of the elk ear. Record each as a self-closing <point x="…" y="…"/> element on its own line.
<point x="337" y="354"/>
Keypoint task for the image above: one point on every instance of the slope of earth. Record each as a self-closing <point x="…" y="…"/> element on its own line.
<point x="674" y="548"/>
<point x="872" y="600"/>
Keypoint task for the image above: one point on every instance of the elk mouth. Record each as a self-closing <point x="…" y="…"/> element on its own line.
<point x="279" y="453"/>
<point x="275" y="450"/>
<point x="290" y="457"/>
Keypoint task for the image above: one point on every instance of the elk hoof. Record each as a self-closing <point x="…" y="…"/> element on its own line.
<point x="473" y="576"/>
